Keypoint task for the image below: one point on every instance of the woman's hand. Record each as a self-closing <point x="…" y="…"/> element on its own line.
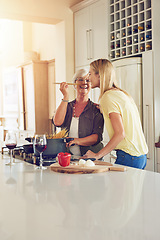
<point x="64" y="90"/>
<point x="86" y="141"/>
<point x="97" y="105"/>
<point x="118" y="136"/>
<point x="72" y="142"/>
<point x="90" y="154"/>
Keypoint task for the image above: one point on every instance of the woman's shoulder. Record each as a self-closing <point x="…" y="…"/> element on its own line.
<point x="108" y="95"/>
<point x="113" y="94"/>
<point x="94" y="106"/>
<point x="71" y="103"/>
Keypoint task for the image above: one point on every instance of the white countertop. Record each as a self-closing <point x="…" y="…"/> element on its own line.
<point x="44" y="205"/>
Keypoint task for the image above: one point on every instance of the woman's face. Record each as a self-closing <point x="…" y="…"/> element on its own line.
<point x="84" y="85"/>
<point x="94" y="78"/>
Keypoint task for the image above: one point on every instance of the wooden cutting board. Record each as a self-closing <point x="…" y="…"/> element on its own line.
<point x="99" y="167"/>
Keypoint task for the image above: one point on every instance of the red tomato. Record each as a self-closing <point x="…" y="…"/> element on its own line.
<point x="64" y="159"/>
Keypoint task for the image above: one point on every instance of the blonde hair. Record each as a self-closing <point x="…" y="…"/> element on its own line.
<point x="107" y="74"/>
<point x="80" y="73"/>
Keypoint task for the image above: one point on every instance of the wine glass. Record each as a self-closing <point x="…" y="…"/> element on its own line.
<point x="11" y="143"/>
<point x="40" y="144"/>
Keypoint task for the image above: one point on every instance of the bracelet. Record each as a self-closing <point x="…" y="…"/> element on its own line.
<point x="65" y="100"/>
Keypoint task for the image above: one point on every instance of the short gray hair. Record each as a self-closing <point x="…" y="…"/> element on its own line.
<point x="80" y="73"/>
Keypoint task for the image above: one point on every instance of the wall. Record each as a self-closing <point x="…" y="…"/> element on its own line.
<point x="50" y="12"/>
<point x="59" y="18"/>
<point x="11" y="42"/>
<point x="44" y="40"/>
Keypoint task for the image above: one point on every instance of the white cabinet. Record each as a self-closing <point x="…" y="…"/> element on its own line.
<point x="34" y="107"/>
<point x="91" y="39"/>
<point x="148" y="107"/>
<point x="130" y="27"/>
<point x="51" y="88"/>
<point x="129" y="78"/>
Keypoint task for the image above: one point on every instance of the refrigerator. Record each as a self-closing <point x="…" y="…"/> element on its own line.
<point x="135" y="76"/>
<point x="129" y="78"/>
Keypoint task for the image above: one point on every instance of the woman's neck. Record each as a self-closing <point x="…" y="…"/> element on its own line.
<point x="79" y="106"/>
<point x="82" y="99"/>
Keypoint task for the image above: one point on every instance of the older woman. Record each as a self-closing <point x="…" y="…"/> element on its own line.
<point x="81" y="116"/>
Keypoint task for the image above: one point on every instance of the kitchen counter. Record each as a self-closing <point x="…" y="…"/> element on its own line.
<point x="38" y="205"/>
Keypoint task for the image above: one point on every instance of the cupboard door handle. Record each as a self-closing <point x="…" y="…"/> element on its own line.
<point x="91" y="43"/>
<point x="147" y="128"/>
<point x="87" y="38"/>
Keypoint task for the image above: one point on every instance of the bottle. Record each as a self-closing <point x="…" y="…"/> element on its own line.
<point x="135" y="40"/>
<point x="117" y="54"/>
<point x="129" y="41"/>
<point x="112" y="37"/>
<point x="112" y="46"/>
<point x="136" y="50"/>
<point x="142" y="39"/>
<point x="112" y="55"/>
<point x="124" y="53"/>
<point x="142" y="48"/>
<point x="148" y="26"/>
<point x="148" y="46"/>
<point x="140" y="28"/>
<point x="135" y="30"/>
<point x="118" y="35"/>
<point x="117" y="45"/>
<point x="124" y="34"/>
<point x="148" y="36"/>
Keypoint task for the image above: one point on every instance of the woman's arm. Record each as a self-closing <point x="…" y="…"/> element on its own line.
<point x="86" y="141"/>
<point x="62" y="109"/>
<point x="118" y="136"/>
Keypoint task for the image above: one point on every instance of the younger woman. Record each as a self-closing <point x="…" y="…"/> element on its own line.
<point x="121" y="118"/>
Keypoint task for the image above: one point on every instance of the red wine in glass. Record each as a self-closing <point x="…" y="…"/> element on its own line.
<point x="11" y="146"/>
<point x="11" y="143"/>
<point x="40" y="148"/>
<point x="40" y="144"/>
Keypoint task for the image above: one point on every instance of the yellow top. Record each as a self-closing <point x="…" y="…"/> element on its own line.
<point x="117" y="101"/>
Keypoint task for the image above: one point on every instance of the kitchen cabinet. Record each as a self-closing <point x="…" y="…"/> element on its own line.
<point x="130" y="28"/>
<point x="51" y="88"/>
<point x="51" y="93"/>
<point x="151" y="87"/>
<point x="148" y="107"/>
<point x="90" y="32"/>
<point x="34" y="107"/>
<point x="1" y="134"/>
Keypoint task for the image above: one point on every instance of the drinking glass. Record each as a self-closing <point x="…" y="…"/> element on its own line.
<point x="11" y="143"/>
<point x="40" y="144"/>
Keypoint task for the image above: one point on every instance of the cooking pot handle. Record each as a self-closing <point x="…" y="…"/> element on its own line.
<point x="29" y="139"/>
<point x="67" y="140"/>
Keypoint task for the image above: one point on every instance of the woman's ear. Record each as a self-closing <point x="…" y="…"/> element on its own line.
<point x="99" y="78"/>
<point x="74" y="85"/>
